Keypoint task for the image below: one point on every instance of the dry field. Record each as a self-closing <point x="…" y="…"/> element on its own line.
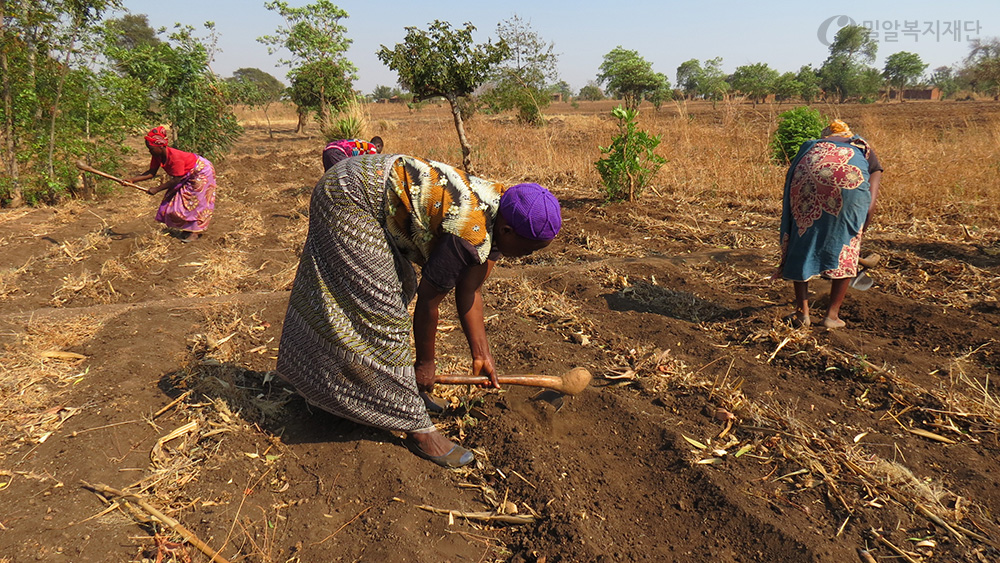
<point x="136" y="382"/>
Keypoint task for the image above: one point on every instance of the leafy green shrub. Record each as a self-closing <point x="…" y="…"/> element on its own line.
<point x="529" y="114"/>
<point x="630" y="162"/>
<point x="795" y="127"/>
<point x="346" y="128"/>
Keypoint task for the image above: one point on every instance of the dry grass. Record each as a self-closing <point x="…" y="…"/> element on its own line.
<point x="720" y="157"/>
<point x="9" y="279"/>
<point x="34" y="373"/>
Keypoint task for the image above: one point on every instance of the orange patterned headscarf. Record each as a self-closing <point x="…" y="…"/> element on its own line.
<point x="837" y="128"/>
<point x="157" y="136"/>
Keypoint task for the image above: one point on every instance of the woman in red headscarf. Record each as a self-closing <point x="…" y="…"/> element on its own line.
<point x="190" y="186"/>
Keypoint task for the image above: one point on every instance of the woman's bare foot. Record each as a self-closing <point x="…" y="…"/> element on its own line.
<point x="833" y="323"/>
<point x="190" y="237"/>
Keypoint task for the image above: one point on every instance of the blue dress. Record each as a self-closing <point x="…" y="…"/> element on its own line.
<point x="826" y="201"/>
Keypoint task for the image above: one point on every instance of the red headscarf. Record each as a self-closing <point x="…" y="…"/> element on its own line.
<point x="157" y="137"/>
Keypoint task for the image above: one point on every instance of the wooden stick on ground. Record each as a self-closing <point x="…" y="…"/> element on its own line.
<point x="938" y="521"/>
<point x="482" y="516"/>
<point x="167" y="521"/>
<point x="171" y="405"/>
<point x="878" y="537"/>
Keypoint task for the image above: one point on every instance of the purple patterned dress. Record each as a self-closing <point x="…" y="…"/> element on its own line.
<point x="188" y="206"/>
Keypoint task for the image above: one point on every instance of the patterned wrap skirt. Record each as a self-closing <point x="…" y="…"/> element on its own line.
<point x="345" y="344"/>
<point x="826" y="201"/>
<point x="188" y="206"/>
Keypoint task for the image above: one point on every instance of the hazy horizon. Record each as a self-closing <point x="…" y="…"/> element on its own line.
<point x="784" y="35"/>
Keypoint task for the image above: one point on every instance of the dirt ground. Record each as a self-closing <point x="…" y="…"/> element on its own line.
<point x="710" y="432"/>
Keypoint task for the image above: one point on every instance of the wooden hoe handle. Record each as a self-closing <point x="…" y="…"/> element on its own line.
<point x="83" y="166"/>
<point x="571" y="383"/>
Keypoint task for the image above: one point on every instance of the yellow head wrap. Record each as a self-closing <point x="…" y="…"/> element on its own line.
<point x="837" y="128"/>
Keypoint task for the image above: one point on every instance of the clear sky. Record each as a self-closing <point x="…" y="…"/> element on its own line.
<point x="783" y="34"/>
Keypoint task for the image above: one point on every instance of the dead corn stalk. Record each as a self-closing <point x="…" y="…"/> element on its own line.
<point x="167" y="521"/>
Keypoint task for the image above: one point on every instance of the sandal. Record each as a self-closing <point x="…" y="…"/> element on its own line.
<point x="797" y="321"/>
<point x="456" y="457"/>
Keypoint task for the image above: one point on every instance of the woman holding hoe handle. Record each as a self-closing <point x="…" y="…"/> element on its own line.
<point x="189" y="200"/>
<point x="345" y="344"/>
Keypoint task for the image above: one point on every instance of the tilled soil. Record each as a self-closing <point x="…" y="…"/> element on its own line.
<point x="843" y="437"/>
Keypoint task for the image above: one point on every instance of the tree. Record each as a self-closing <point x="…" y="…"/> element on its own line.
<point x="443" y="61"/>
<point x="869" y="83"/>
<point x="688" y="77"/>
<point x="755" y="80"/>
<point x="315" y="39"/>
<point x="519" y="80"/>
<point x="186" y="93"/>
<point x="629" y="76"/>
<point x="46" y="89"/>
<point x="902" y="69"/>
<point x="945" y="80"/>
<point x="318" y="85"/>
<point x="591" y="93"/>
<point x="809" y="80"/>
<point x="787" y="87"/>
<point x="270" y="86"/>
<point x="845" y="71"/>
<point x="386" y="93"/>
<point x="663" y="93"/>
<point x="132" y="31"/>
<point x="562" y="88"/>
<point x="712" y="84"/>
<point x="856" y="43"/>
<point x="256" y="89"/>
<point x="795" y="127"/>
<point x="983" y="62"/>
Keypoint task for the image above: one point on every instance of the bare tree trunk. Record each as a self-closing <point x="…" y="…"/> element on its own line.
<point x="32" y="57"/>
<point x="8" y="133"/>
<point x="300" y="126"/>
<point x="324" y="110"/>
<point x="87" y="190"/>
<point x="466" y="148"/>
<point x="55" y="104"/>
<point x="270" y="134"/>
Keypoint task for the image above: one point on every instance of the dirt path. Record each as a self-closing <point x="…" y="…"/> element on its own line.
<point x="837" y="433"/>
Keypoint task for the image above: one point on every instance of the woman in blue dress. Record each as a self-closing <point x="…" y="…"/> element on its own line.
<point x="830" y="193"/>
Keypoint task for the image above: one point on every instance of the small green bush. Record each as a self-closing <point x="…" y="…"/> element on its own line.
<point x="795" y="127"/>
<point x="630" y="162"/>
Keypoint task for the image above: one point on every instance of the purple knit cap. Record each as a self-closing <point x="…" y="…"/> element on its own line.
<point x="532" y="211"/>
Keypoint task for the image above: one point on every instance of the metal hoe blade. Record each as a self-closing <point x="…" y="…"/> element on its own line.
<point x="550" y="396"/>
<point x="862" y="282"/>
